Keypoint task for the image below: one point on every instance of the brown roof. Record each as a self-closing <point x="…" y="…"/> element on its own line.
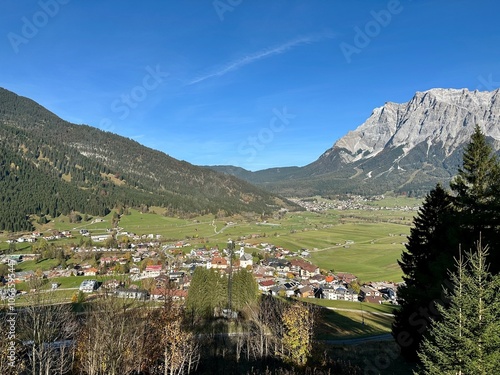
<point x="267" y="283"/>
<point x="309" y="267"/>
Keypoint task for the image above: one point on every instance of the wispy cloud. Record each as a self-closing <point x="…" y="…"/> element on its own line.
<point x="259" y="55"/>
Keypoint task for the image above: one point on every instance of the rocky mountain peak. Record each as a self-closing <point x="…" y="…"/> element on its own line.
<point x="436" y="116"/>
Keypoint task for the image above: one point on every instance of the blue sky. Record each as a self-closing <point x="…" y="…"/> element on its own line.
<point x="252" y="83"/>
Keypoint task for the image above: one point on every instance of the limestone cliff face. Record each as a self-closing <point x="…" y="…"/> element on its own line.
<point x="407" y="147"/>
<point x="410" y="146"/>
<point x="444" y="117"/>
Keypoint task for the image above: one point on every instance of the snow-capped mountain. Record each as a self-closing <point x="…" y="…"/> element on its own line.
<point x="412" y="145"/>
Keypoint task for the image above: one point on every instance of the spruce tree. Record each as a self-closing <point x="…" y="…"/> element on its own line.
<point x="467" y="339"/>
<point x="477" y="196"/>
<point x="424" y="263"/>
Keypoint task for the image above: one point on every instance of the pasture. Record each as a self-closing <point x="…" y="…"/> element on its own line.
<point x="366" y="242"/>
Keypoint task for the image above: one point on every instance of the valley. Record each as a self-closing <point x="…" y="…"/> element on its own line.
<point x="364" y="240"/>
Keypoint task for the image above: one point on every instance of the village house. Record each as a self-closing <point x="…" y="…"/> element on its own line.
<point x="370" y="294"/>
<point x="91" y="271"/>
<point x="277" y="290"/>
<point x="100" y="237"/>
<point x="176" y="277"/>
<point x="112" y="284"/>
<point x="246" y="260"/>
<point x="281" y="266"/>
<point x="304" y="292"/>
<point x="262" y="271"/>
<point x="346" y="277"/>
<point x="88" y="286"/>
<point x="339" y="293"/>
<point x="304" y="269"/>
<point x="135" y="270"/>
<point x="139" y="294"/>
<point x="108" y="260"/>
<point x="153" y="270"/>
<point x="266" y="285"/>
<point x="218" y="263"/>
<point x="24" y="276"/>
<point x="159" y="294"/>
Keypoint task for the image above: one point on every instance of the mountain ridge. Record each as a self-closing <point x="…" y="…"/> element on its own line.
<point x="402" y="147"/>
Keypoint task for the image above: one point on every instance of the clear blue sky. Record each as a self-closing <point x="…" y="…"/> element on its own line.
<point x="253" y="83"/>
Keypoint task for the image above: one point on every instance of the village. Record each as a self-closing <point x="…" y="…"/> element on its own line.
<point x="146" y="268"/>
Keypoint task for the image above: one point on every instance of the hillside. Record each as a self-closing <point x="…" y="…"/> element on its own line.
<point x="406" y="148"/>
<point x="49" y="166"/>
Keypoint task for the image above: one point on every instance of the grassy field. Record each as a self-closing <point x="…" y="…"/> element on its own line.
<point x="364" y="242"/>
<point x="349" y="324"/>
<point x="348" y="305"/>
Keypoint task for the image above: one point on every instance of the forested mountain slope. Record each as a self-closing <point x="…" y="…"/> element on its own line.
<point x="49" y="166"/>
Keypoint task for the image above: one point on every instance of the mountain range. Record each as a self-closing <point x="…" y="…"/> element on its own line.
<point x="402" y="147"/>
<point x="49" y="166"/>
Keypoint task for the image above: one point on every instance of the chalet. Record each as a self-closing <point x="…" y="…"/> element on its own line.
<point x="339" y="294"/>
<point x="218" y="263"/>
<point x="153" y="270"/>
<point x="266" y="285"/>
<point x="304" y="292"/>
<point x="369" y="294"/>
<point x="346" y="277"/>
<point x="92" y="271"/>
<point x="304" y="269"/>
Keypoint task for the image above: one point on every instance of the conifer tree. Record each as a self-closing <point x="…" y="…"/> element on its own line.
<point x="424" y="263"/>
<point x="467" y="339"/>
<point x="477" y="196"/>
